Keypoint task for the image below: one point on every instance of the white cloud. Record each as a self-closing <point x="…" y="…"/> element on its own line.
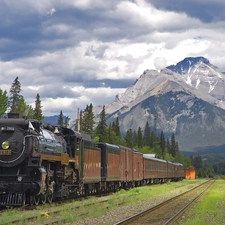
<point x="51" y="12"/>
<point x="160" y="63"/>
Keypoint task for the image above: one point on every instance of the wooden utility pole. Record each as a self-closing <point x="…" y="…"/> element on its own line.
<point x="78" y="119"/>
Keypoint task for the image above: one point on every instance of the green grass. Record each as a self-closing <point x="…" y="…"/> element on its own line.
<point x="210" y="210"/>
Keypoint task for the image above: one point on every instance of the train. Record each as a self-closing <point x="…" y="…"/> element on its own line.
<point x="41" y="163"/>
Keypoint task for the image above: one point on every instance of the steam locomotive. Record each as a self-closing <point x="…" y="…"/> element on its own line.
<point x="41" y="163"/>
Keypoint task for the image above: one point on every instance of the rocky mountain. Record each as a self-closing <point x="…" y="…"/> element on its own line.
<point x="188" y="99"/>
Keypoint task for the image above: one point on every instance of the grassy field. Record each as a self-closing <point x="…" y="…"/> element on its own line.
<point x="210" y="208"/>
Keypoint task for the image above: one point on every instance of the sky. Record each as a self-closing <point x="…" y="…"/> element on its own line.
<point x="77" y="52"/>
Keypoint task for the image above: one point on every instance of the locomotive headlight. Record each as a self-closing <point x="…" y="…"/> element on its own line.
<point x="5" y="145"/>
<point x="19" y="178"/>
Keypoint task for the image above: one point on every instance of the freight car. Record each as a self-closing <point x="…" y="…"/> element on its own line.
<point x="40" y="163"/>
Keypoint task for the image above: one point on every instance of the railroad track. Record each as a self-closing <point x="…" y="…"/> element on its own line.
<point x="168" y="211"/>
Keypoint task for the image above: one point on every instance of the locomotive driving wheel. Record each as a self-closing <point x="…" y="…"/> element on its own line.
<point x="43" y="198"/>
<point x="36" y="200"/>
<point x="30" y="199"/>
<point x="24" y="199"/>
<point x="50" y="196"/>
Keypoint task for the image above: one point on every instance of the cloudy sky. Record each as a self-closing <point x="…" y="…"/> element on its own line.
<point x="77" y="52"/>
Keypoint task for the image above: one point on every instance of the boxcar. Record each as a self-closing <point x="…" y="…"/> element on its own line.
<point x="137" y="168"/>
<point x="126" y="167"/>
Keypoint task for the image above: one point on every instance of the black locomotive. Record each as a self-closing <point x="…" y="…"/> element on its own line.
<point x="40" y="163"/>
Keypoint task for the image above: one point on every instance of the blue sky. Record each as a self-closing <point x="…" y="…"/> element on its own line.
<point x="77" y="52"/>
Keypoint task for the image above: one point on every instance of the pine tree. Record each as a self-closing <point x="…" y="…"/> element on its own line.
<point x="83" y="119"/>
<point x="110" y="135"/>
<point x="135" y="140"/>
<point x="30" y="112"/>
<point x="90" y="120"/>
<point x="87" y="121"/>
<point x="60" y="119"/>
<point x="162" y="143"/>
<point x="197" y="162"/>
<point x="101" y="129"/>
<point x="117" y="127"/>
<point x="152" y="139"/>
<point x="66" y="122"/>
<point x="173" y="145"/>
<point x="168" y="145"/>
<point x="3" y="102"/>
<point x="139" y="137"/>
<point x="147" y="135"/>
<point x="113" y="126"/>
<point x="129" y="138"/>
<point x="177" y="147"/>
<point x="37" y="110"/>
<point x="22" y="107"/>
<point x="15" y="98"/>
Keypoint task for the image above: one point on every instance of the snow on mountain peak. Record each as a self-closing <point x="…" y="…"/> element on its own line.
<point x="198" y="71"/>
<point x="184" y="66"/>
